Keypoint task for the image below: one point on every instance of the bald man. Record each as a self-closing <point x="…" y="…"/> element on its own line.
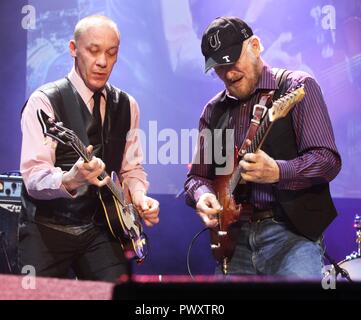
<point x="63" y="230"/>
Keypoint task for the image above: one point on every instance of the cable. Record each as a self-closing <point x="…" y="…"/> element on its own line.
<point x="190" y="248"/>
<point x="3" y="245"/>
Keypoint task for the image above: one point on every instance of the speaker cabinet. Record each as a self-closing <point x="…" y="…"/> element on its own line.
<point x="9" y="217"/>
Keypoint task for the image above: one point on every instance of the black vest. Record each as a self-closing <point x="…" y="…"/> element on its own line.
<point x="70" y="109"/>
<point x="309" y="210"/>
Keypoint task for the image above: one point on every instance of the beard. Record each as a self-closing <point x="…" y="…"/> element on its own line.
<point x="246" y="89"/>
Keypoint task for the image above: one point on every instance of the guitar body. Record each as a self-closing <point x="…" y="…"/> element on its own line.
<point x="124" y="222"/>
<point x="222" y="240"/>
<point x="223" y="236"/>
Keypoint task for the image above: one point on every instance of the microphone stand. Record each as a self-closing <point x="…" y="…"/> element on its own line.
<point x="344" y="274"/>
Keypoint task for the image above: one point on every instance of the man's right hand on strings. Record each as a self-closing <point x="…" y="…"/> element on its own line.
<point x="208" y="208"/>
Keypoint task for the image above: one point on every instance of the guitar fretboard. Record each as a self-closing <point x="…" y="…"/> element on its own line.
<point x="279" y="109"/>
<point x="87" y="156"/>
<point x="253" y="147"/>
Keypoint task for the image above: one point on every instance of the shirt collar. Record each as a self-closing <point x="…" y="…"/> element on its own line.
<point x="85" y="93"/>
<point x="267" y="80"/>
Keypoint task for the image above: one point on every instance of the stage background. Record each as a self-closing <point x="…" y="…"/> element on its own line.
<point x="161" y="65"/>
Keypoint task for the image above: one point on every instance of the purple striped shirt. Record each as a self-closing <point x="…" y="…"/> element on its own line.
<point x="318" y="160"/>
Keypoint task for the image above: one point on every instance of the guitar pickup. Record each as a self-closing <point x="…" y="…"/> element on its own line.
<point x="222" y="233"/>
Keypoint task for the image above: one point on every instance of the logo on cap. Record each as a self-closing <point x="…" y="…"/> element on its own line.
<point x="214" y="41"/>
<point x="226" y="58"/>
<point x="244" y="32"/>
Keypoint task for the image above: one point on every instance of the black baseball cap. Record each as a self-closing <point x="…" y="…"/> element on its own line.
<point x="222" y="41"/>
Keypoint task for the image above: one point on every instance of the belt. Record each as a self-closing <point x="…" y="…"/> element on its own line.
<point x="259" y="215"/>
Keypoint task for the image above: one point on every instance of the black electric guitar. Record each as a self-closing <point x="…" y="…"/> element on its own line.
<point x="123" y="219"/>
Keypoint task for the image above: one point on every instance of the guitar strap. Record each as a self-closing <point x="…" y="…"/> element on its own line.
<point x="259" y="111"/>
<point x="281" y="77"/>
<point x="243" y="191"/>
<point x="266" y="98"/>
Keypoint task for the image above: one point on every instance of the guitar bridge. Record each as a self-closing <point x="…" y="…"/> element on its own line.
<point x="222" y="233"/>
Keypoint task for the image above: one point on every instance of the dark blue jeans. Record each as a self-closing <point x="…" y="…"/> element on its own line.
<point x="270" y="247"/>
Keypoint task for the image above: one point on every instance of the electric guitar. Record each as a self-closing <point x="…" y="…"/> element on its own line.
<point x="222" y="239"/>
<point x="123" y="219"/>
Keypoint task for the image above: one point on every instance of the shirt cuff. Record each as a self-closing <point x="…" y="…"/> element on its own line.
<point x="136" y="185"/>
<point x="287" y="170"/>
<point x="70" y="194"/>
<point x="202" y="190"/>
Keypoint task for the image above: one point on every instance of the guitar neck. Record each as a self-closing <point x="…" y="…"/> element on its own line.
<point x="256" y="144"/>
<point x="279" y="109"/>
<point x="81" y="150"/>
<point x="260" y="136"/>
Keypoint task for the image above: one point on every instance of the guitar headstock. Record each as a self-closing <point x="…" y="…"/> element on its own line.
<point x="55" y="130"/>
<point x="282" y="106"/>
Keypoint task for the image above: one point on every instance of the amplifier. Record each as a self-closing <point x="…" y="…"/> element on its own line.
<point x="9" y="220"/>
<point x="10" y="207"/>
<point x="10" y="188"/>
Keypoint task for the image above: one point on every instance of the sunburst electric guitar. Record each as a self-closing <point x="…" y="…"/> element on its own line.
<point x="123" y="219"/>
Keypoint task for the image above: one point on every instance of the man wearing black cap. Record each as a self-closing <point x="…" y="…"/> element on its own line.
<point x="287" y="180"/>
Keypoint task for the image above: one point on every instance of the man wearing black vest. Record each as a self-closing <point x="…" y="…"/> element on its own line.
<point x="62" y="224"/>
<point x="287" y="180"/>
